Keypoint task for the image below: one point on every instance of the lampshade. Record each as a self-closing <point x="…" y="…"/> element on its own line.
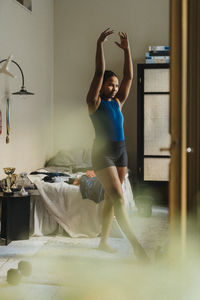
<point x="23" y="91"/>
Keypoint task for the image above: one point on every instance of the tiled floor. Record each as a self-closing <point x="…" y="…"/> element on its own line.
<point x="66" y="268"/>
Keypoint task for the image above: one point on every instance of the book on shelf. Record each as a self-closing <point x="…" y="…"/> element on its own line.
<point x="147" y="55"/>
<point x="157" y="59"/>
<point x="159" y="48"/>
<point x="159" y="53"/>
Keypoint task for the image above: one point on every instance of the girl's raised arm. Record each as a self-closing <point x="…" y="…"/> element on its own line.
<point x="95" y="87"/>
<point x="128" y="68"/>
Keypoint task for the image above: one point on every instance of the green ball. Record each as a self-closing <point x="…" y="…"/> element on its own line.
<point x="25" y="268"/>
<point x="13" y="276"/>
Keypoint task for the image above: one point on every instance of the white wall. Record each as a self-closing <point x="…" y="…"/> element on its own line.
<point x="77" y="26"/>
<point x="65" y="61"/>
<point x="29" y="37"/>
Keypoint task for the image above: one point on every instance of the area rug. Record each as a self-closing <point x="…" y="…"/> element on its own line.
<point x="73" y="268"/>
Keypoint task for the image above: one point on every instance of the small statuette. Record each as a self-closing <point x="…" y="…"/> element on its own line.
<point x="9" y="172"/>
<point x="14" y="178"/>
<point x="23" y="192"/>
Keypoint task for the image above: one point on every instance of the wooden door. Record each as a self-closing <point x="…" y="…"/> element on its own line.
<point x="177" y="186"/>
<point x="193" y="118"/>
<point x="184" y="185"/>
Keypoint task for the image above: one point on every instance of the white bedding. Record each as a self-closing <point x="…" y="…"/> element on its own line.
<point x="60" y="207"/>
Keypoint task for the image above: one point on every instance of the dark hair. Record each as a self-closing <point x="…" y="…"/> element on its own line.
<point x="108" y="74"/>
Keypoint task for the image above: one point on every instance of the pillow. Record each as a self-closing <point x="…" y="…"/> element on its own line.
<point x="76" y="158"/>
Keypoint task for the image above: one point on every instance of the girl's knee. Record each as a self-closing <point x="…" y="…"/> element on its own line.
<point x="118" y="201"/>
<point x="107" y="200"/>
<point x="116" y="196"/>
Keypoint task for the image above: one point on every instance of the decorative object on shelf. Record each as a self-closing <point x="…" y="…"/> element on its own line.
<point x="4" y="70"/>
<point x="23" y="192"/>
<point x="14" y="178"/>
<point x="8" y="171"/>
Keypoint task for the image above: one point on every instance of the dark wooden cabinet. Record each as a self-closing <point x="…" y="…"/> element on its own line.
<point x="15" y="216"/>
<point x="153" y="138"/>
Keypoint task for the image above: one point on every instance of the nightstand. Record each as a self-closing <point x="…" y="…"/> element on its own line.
<point x="15" y="217"/>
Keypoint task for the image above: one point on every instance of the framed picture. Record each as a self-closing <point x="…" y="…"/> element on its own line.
<point x="26" y="3"/>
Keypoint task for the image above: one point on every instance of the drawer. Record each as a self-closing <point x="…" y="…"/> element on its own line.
<point x="156" y="169"/>
<point x="156" y="124"/>
<point x="156" y="80"/>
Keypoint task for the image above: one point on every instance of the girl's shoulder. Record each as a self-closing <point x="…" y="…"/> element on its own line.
<point x="93" y="107"/>
<point x="118" y="102"/>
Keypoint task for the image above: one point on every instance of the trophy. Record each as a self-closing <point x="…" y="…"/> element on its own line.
<point x="23" y="192"/>
<point x="9" y="172"/>
<point x="14" y="178"/>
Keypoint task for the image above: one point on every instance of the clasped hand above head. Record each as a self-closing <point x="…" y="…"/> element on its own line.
<point x="105" y="34"/>
<point x="124" y="43"/>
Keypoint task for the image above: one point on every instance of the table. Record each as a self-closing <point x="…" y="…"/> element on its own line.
<point x="15" y="217"/>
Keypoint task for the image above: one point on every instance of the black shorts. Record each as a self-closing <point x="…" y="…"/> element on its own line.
<point x="109" y="154"/>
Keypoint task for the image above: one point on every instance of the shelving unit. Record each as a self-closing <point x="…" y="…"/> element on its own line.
<point x="153" y="138"/>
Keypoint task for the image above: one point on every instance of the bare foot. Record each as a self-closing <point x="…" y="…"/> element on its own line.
<point x="106" y="248"/>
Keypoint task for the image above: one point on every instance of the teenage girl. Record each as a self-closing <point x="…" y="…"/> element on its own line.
<point x="105" y="100"/>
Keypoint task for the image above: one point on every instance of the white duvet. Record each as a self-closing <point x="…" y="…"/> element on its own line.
<point x="60" y="205"/>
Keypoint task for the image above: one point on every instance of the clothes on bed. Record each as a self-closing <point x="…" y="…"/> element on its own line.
<point x="91" y="189"/>
<point x="51" y="174"/>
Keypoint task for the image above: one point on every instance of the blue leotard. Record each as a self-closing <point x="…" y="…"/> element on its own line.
<point x="108" y="121"/>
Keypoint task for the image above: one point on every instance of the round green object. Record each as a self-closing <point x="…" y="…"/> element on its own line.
<point x="13" y="276"/>
<point x="25" y="268"/>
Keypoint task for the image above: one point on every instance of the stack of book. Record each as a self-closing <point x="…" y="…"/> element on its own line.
<point x="158" y="55"/>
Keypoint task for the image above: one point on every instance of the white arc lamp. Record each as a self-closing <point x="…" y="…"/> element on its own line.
<point x="4" y="70"/>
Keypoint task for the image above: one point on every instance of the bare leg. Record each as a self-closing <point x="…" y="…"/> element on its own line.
<point x="107" y="219"/>
<point x="108" y="215"/>
<point x="110" y="181"/>
<point x="124" y="222"/>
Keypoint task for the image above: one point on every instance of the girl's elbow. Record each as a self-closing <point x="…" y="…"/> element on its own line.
<point x="129" y="77"/>
<point x="99" y="73"/>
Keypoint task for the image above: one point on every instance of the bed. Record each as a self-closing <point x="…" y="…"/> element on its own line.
<point x="58" y="206"/>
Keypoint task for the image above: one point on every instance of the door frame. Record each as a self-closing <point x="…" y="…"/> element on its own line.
<point x="184" y="187"/>
<point x="178" y="122"/>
